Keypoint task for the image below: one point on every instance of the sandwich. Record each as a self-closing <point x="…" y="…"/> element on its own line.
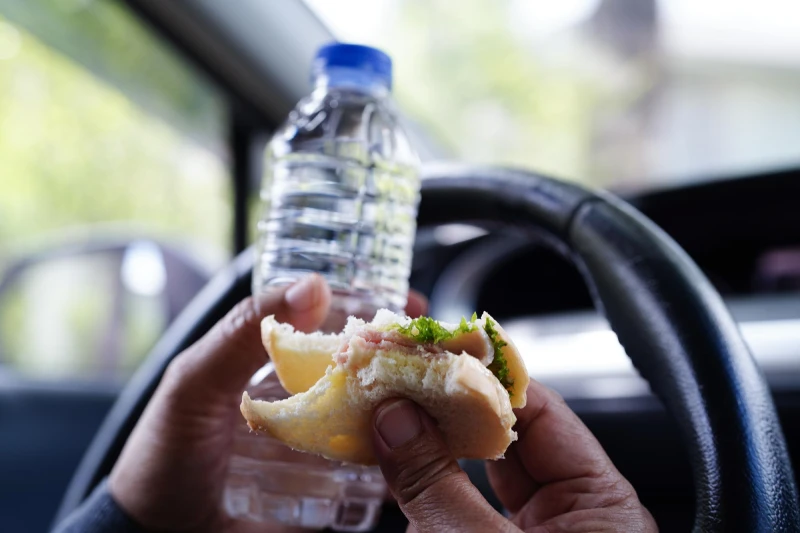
<point x="467" y="376"/>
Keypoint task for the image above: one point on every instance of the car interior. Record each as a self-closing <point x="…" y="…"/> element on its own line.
<point x="616" y="181"/>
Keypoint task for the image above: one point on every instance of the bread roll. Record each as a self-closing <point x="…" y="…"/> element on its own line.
<point x="338" y="380"/>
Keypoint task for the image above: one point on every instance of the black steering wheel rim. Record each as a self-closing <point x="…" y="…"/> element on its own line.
<point x="672" y="323"/>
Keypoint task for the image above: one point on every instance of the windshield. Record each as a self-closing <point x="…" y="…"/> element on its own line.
<point x="615" y="93"/>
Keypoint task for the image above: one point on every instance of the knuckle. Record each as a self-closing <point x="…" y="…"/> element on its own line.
<point x="614" y="490"/>
<point x="243" y="315"/>
<point x="555" y="398"/>
<point x="237" y="328"/>
<point x="177" y="369"/>
<point x="178" y="373"/>
<point x="423" y="469"/>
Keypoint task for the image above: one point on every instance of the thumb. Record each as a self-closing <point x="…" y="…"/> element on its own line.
<point x="227" y="356"/>
<point x="432" y="490"/>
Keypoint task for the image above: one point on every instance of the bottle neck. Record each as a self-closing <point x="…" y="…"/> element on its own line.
<point x="352" y="79"/>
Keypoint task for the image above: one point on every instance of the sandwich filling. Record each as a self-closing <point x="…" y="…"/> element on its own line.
<point x="427" y="338"/>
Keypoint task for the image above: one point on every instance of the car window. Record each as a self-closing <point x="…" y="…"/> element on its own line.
<point x="615" y="93"/>
<point x="114" y="187"/>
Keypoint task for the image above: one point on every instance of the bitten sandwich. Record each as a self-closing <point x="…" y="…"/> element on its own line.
<point x="467" y="376"/>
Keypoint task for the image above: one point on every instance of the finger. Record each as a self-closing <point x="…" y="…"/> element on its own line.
<point x="432" y="490"/>
<point x="553" y="446"/>
<point x="227" y="356"/>
<point x="417" y="304"/>
<point x="509" y="480"/>
<point x="305" y="305"/>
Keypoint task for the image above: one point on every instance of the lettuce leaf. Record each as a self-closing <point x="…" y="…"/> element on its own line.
<point x="499" y="365"/>
<point x="465" y="327"/>
<point x="426" y="330"/>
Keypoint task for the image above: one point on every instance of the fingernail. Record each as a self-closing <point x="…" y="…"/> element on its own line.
<point x="398" y="423"/>
<point x="303" y="294"/>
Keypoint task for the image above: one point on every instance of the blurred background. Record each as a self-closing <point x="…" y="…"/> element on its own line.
<point x="115" y="204"/>
<point x="131" y="144"/>
<point x="116" y="200"/>
<point x="612" y="93"/>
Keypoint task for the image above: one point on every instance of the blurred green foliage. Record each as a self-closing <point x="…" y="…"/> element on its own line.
<point x="105" y="39"/>
<point x="483" y="90"/>
<point x="103" y="129"/>
<point x="75" y="149"/>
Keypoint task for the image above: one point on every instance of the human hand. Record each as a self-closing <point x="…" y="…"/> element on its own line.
<point x="555" y="478"/>
<point x="171" y="473"/>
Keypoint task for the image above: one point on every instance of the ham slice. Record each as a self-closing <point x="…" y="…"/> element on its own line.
<point x="475" y="343"/>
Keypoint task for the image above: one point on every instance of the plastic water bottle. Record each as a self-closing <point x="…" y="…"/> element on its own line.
<point x="341" y="189"/>
<point x="340" y="195"/>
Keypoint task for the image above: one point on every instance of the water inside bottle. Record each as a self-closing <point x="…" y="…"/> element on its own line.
<point x="269" y="482"/>
<point x="351" y="224"/>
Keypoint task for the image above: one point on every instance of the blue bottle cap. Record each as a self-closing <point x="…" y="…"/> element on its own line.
<point x="371" y="64"/>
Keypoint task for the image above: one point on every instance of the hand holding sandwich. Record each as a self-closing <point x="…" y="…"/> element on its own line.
<point x="170" y="475"/>
<point x="555" y="478"/>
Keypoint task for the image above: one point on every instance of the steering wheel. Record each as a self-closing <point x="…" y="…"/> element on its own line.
<point x="672" y="323"/>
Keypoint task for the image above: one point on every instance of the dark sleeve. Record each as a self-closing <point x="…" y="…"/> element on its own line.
<point x="98" y="514"/>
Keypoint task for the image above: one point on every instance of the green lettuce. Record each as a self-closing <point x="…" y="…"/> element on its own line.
<point x="499" y="365"/>
<point x="426" y="330"/>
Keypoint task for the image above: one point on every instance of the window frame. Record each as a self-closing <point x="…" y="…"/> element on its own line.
<point x="247" y="123"/>
<point x="260" y="91"/>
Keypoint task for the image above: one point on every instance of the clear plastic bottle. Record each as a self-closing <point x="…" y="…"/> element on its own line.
<point x="341" y="189"/>
<point x="269" y="483"/>
<point x="340" y="193"/>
